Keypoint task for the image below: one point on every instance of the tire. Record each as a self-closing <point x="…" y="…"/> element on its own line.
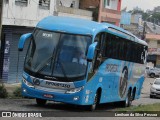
<point x="128" y="101"/>
<point x="151" y="96"/>
<point x="133" y="94"/>
<point x="152" y="75"/>
<point x="40" y="102"/>
<point x="123" y="82"/>
<point x="95" y="103"/>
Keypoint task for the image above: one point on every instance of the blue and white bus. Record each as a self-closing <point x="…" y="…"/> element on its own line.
<point x="82" y="62"/>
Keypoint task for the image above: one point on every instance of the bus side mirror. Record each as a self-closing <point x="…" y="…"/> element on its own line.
<point x="22" y="40"/>
<point x="91" y="51"/>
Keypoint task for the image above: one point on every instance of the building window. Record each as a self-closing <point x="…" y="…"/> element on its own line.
<point x="106" y="3"/>
<point x="158" y="42"/>
<point x="44" y="4"/>
<point x="21" y="2"/>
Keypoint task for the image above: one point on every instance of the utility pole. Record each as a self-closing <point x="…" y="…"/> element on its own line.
<point x="144" y="31"/>
<point x="143" y="37"/>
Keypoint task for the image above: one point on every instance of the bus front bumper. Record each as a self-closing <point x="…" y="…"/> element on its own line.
<point x="74" y="98"/>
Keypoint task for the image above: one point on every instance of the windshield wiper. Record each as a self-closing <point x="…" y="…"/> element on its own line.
<point x="47" y="61"/>
<point x="45" y="64"/>
<point x="63" y="71"/>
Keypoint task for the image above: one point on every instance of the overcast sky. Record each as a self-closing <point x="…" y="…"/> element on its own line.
<point x="143" y="4"/>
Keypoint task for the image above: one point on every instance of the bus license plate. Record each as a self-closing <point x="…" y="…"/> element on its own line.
<point x="48" y="96"/>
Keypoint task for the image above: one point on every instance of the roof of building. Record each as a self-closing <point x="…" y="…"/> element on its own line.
<point x="153" y="36"/>
<point x="79" y="26"/>
<point x="153" y="27"/>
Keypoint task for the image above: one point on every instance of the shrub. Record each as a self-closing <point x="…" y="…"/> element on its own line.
<point x="3" y="92"/>
<point x="17" y="92"/>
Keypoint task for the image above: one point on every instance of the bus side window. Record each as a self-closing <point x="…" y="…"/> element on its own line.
<point x="109" y="47"/>
<point x="125" y="50"/>
<point x="104" y="46"/>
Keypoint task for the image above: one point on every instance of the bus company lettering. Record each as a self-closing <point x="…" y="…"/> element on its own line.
<point x="57" y="84"/>
<point x="111" y="68"/>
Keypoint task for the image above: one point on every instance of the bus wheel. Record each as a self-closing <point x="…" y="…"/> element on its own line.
<point x="152" y="75"/>
<point x="40" y="102"/>
<point x="128" y="100"/>
<point x="93" y="106"/>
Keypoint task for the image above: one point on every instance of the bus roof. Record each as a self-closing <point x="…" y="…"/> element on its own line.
<point x="80" y="26"/>
<point x="70" y="25"/>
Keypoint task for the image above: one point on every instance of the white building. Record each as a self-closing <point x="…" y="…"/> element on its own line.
<point x="21" y="16"/>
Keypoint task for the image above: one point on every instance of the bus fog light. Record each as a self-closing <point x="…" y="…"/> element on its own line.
<point x="76" y="98"/>
<point x="24" y="90"/>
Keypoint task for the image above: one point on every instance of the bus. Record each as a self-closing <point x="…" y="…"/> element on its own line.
<point x="82" y="62"/>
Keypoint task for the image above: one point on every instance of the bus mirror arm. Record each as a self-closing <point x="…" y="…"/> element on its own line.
<point x="22" y="40"/>
<point x="91" y="52"/>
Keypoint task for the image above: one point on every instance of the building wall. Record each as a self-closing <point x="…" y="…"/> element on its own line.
<point x="73" y="12"/>
<point x="119" y="5"/>
<point x="153" y="41"/>
<point x="125" y="18"/>
<point x="74" y="15"/>
<point x="109" y="15"/>
<point x="22" y="14"/>
<point x="136" y="19"/>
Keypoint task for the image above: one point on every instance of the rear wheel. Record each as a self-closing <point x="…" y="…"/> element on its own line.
<point x="40" y="102"/>
<point x="128" y="100"/>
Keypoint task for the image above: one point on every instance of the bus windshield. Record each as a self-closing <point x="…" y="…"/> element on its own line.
<point x="57" y="54"/>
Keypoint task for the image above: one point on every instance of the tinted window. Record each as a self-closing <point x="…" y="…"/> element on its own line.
<point x="123" y="49"/>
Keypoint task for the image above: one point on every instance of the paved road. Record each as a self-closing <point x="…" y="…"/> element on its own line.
<point x="60" y="109"/>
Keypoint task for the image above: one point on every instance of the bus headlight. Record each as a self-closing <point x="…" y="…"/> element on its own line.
<point x="27" y="83"/>
<point x="75" y="90"/>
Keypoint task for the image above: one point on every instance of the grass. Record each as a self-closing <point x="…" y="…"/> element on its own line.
<point x="150" y="107"/>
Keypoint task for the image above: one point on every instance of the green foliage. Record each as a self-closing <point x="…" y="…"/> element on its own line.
<point x="17" y="92"/>
<point x="145" y="16"/>
<point x="3" y="92"/>
<point x="150" y="107"/>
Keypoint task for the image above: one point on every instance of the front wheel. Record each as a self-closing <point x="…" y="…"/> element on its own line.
<point x="93" y="106"/>
<point x="40" y="102"/>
